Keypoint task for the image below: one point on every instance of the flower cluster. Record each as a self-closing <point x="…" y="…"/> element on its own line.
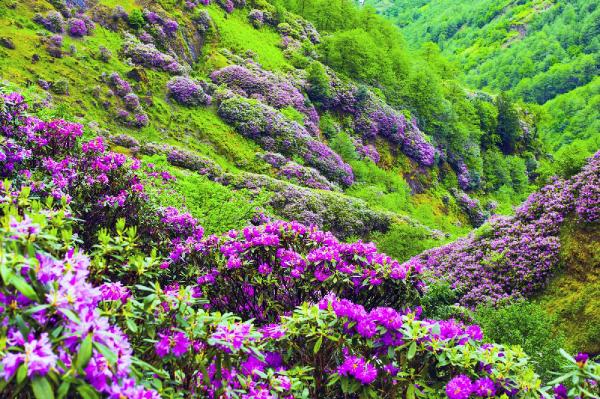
<point x="133" y="114"/>
<point x="472" y="207"/>
<point x="366" y="151"/>
<point x="515" y="256"/>
<point x="53" y="21"/>
<point x="276" y="132"/>
<point x="147" y="55"/>
<point x="79" y="27"/>
<point x="187" y="92"/>
<point x="256" y="18"/>
<point x="274" y="90"/>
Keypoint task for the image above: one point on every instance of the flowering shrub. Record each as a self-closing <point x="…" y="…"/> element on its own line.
<point x="203" y="21"/>
<point x="373" y="117"/>
<point x="53" y="21"/>
<point x="227" y="5"/>
<point x="274" y="131"/>
<point x="256" y="18"/>
<point x="274" y="90"/>
<point x="119" y="85"/>
<point x="304" y="176"/>
<point x="191" y="161"/>
<point x="293" y="264"/>
<point x="149" y="56"/>
<point x="472" y="207"/>
<point x="367" y="151"/>
<point x="515" y="256"/>
<point x="345" y="216"/>
<point x="187" y="92"/>
<point x="47" y="153"/>
<point x="77" y="27"/>
<point x="134" y="115"/>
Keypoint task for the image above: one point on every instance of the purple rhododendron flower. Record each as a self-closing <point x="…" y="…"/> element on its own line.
<point x="459" y="387"/>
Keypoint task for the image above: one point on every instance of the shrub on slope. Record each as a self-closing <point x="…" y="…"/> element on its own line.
<point x="515" y="256"/>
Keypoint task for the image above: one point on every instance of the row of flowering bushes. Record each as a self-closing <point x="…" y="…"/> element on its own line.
<point x="78" y="26"/>
<point x="297" y="173"/>
<point x="133" y="113"/>
<point x="515" y="256"/>
<point x="149" y="311"/>
<point x="66" y="335"/>
<point x="343" y="215"/>
<point x="275" y="132"/>
<point x="147" y="55"/>
<point x="227" y="5"/>
<point x="372" y="116"/>
<point x="253" y="82"/>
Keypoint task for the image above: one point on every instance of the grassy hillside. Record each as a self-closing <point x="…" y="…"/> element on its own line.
<point x="242" y="199"/>
<point x="406" y="207"/>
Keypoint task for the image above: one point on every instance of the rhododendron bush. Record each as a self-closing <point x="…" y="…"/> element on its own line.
<point x="515" y="256"/>
<point x="107" y="294"/>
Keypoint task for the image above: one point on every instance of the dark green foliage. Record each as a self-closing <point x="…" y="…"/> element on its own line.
<point x="356" y="54"/>
<point x="136" y="19"/>
<point x="525" y="324"/>
<point x="507" y="128"/>
<point x="439" y="302"/>
<point x="318" y="82"/>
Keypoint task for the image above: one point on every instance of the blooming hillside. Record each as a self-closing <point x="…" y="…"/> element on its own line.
<point x="104" y="292"/>
<point x="515" y="256"/>
<point x="231" y="199"/>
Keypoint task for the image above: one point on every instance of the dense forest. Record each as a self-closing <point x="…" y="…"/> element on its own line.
<point x="541" y="52"/>
<point x="299" y="199"/>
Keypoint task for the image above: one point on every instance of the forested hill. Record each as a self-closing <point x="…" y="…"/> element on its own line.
<point x="540" y="51"/>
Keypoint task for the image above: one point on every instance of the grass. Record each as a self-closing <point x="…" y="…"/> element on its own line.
<point x="237" y="34"/>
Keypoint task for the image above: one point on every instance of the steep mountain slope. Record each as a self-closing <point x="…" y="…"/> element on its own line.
<point x="555" y="230"/>
<point x="187" y="190"/>
<point x="235" y="102"/>
<point x="536" y="50"/>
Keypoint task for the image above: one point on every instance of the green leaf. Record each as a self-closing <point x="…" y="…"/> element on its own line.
<point x="5" y="272"/>
<point x="70" y="315"/>
<point x="42" y="388"/>
<point x="318" y="345"/>
<point x="20" y="284"/>
<point x="110" y="356"/>
<point x="63" y="390"/>
<point x="412" y="350"/>
<point x="131" y="325"/>
<point x="21" y="373"/>
<point x="87" y="392"/>
<point x="85" y="352"/>
<point x="410" y="392"/>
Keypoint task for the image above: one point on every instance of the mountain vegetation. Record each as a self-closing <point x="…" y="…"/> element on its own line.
<point x="292" y="199"/>
<point x="542" y="52"/>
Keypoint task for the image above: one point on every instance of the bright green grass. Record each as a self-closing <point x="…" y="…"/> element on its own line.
<point x="237" y="34"/>
<point x="217" y="207"/>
